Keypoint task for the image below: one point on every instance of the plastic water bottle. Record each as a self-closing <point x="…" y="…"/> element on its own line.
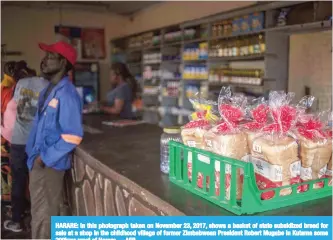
<point x="169" y="134"/>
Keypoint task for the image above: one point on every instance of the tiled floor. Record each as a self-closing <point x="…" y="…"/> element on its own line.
<point x="5" y="214"/>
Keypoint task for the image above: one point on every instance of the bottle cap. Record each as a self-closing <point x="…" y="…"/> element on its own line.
<point x="171" y="130"/>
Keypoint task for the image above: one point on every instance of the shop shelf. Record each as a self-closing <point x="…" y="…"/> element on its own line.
<point x="238" y="35"/>
<point x="251" y="201"/>
<point x="131" y="50"/>
<point x="169" y="101"/>
<point x="172" y="44"/>
<point x="195" y="79"/>
<point x="195" y="61"/>
<point x="312" y="26"/>
<point x="171" y="61"/>
<point x="152" y="47"/>
<point x="240" y="58"/>
<point x="197" y="40"/>
<point x="233" y="84"/>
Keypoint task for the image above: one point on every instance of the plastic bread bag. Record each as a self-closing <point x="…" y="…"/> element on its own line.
<point x="200" y="122"/>
<point x="329" y="172"/>
<point x="315" y="147"/>
<point x="328" y="131"/>
<point x="257" y="118"/>
<point x="274" y="154"/>
<point x="226" y="138"/>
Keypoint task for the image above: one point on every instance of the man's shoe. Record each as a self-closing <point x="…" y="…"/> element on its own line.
<point x="12" y="226"/>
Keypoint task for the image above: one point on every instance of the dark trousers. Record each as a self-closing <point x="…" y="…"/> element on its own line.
<point x="18" y="164"/>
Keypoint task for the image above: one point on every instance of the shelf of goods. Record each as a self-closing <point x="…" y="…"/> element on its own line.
<point x="246" y="49"/>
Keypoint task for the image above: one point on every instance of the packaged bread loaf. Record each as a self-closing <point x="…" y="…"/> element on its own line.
<point x="315" y="149"/>
<point x="227" y="140"/>
<point x="274" y="154"/>
<point x="329" y="172"/>
<point x="192" y="133"/>
<point x="257" y="112"/>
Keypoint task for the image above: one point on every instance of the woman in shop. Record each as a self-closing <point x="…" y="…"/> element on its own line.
<point x="123" y="93"/>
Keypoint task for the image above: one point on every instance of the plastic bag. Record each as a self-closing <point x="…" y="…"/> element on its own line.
<point x="257" y="118"/>
<point x="200" y="121"/>
<point x="315" y="145"/>
<point x="274" y="154"/>
<point x="227" y="139"/>
<point x="192" y="133"/>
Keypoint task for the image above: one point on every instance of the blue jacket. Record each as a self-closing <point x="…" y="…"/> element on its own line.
<point x="57" y="127"/>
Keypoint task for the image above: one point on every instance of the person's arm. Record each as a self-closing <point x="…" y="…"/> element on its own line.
<point x="115" y="109"/>
<point x="70" y="121"/>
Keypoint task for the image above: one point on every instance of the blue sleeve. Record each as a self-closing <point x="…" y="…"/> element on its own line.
<point x="70" y="121"/>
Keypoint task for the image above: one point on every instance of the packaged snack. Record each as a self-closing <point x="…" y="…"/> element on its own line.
<point x="227" y="140"/>
<point x="245" y="24"/>
<point x="236" y="28"/>
<point x="315" y="147"/>
<point x="257" y="21"/>
<point x="274" y="154"/>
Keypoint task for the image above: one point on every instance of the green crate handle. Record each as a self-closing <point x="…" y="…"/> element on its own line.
<point x="251" y="201"/>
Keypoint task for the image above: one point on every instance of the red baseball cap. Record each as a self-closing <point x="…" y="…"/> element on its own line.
<point x="64" y="49"/>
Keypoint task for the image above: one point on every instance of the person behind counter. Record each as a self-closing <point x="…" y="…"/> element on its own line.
<point x="123" y="93"/>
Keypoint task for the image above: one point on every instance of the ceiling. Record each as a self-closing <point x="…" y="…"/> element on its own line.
<point x="125" y="8"/>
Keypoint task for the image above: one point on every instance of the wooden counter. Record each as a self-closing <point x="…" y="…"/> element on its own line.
<point x="116" y="172"/>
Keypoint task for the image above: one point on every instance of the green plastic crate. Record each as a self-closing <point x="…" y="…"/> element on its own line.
<point x="251" y="201"/>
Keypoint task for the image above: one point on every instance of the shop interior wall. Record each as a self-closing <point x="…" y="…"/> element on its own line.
<point x="310" y="65"/>
<point x="174" y="12"/>
<point x="23" y="28"/>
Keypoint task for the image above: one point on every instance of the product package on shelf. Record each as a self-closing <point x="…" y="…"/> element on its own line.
<point x="227" y="139"/>
<point x="192" y="133"/>
<point x="274" y="153"/>
<point x="315" y="148"/>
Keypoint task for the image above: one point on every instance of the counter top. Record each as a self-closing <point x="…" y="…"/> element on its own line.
<point x="133" y="152"/>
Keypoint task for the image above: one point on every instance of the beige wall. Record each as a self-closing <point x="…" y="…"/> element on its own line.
<point x="169" y="13"/>
<point x="310" y="64"/>
<point x="23" y="28"/>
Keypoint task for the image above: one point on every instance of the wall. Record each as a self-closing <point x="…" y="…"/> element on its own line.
<point x="23" y="28"/>
<point x="310" y="64"/>
<point x="169" y="13"/>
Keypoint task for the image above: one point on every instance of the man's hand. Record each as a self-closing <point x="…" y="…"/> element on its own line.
<point x="40" y="162"/>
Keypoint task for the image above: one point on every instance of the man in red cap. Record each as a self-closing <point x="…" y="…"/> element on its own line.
<point x="56" y="131"/>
